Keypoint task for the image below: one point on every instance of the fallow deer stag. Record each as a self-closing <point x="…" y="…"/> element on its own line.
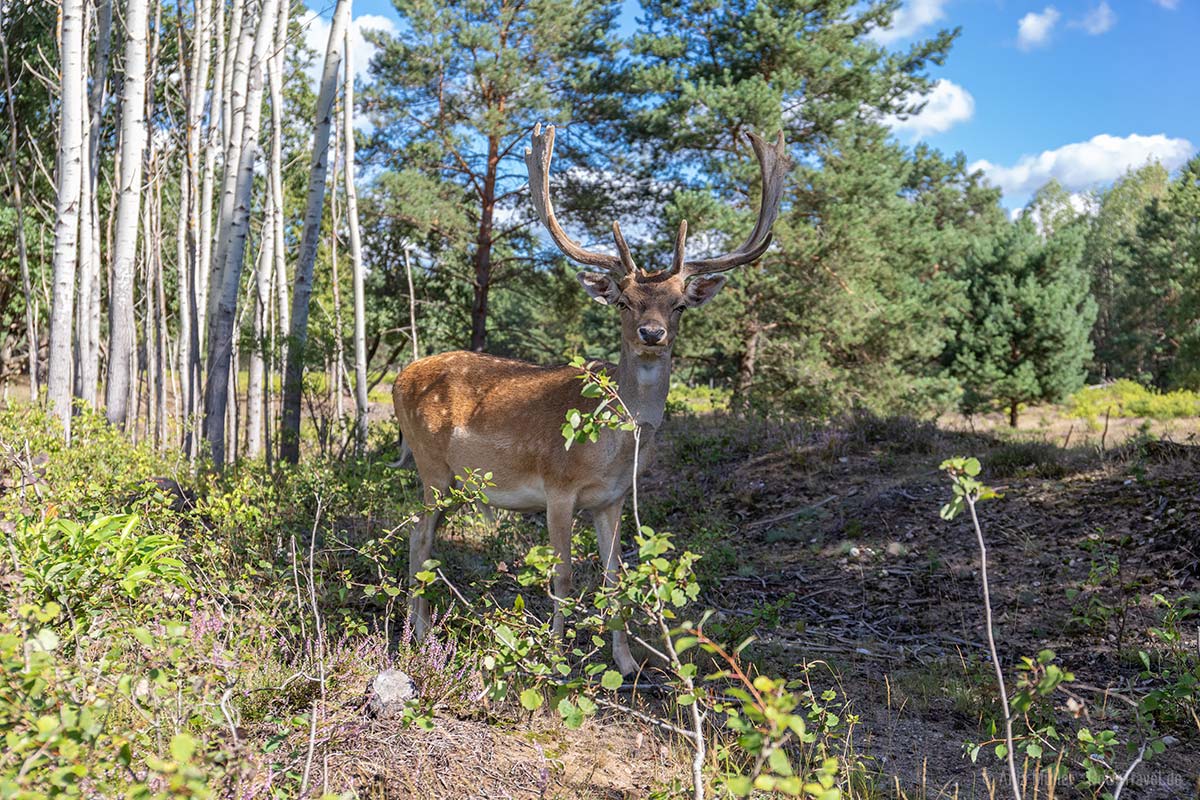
<point x="460" y="411"/>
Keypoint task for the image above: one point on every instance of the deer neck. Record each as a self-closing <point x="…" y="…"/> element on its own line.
<point x="643" y="382"/>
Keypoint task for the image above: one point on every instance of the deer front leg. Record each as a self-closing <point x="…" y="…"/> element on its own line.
<point x="608" y="536"/>
<point x="560" y="513"/>
<point x="420" y="549"/>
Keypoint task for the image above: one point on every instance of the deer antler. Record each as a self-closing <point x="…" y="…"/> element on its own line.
<point x="537" y="159"/>
<point x="775" y="163"/>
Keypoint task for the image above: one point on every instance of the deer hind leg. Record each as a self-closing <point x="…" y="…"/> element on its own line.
<point x="608" y="537"/>
<point x="420" y="549"/>
<point x="560" y="513"/>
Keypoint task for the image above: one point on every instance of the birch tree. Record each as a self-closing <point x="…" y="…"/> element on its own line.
<point x="216" y="397"/>
<point x="66" y="225"/>
<point x="357" y="267"/>
<point x="88" y="319"/>
<point x="189" y="246"/>
<point x="293" y="383"/>
<point x="275" y="85"/>
<point x="122" y="333"/>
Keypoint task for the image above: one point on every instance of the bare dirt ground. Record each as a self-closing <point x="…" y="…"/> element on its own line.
<point x="838" y="556"/>
<point x="826" y="544"/>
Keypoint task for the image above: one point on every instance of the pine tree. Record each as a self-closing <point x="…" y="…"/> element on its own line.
<point x="457" y="91"/>
<point x="1110" y="256"/>
<point x="1025" y="335"/>
<point x="849" y="306"/>
<point x="1163" y="303"/>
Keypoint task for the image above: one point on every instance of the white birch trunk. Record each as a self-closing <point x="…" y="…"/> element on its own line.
<point x="212" y="146"/>
<point x="258" y="374"/>
<point x="275" y="81"/>
<point x="412" y="308"/>
<point x="66" y="225"/>
<point x="88" y="320"/>
<point x="360" y="312"/>
<point x="302" y="293"/>
<point x="223" y="323"/>
<point x="121" y="340"/>
<point x="189" y="246"/>
<point x="238" y="85"/>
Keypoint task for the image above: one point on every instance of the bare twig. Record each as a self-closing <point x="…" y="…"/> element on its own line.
<point x="1124" y="778"/>
<point x="987" y="609"/>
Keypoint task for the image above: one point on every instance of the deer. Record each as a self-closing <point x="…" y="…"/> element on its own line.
<point x="461" y="411"/>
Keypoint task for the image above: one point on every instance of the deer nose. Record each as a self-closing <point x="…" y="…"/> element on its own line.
<point x="651" y="335"/>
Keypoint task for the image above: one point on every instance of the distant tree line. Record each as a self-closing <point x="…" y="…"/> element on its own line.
<point x="181" y="242"/>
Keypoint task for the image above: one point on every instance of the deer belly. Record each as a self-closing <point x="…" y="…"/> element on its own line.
<point x="524" y="497"/>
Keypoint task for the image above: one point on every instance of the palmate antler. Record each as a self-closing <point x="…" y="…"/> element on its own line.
<point x="537" y="159"/>
<point x="775" y="164"/>
<point x="773" y="159"/>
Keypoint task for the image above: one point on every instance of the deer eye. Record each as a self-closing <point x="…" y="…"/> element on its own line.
<point x="621" y="304"/>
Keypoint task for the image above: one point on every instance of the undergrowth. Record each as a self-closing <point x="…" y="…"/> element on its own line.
<point x="163" y="635"/>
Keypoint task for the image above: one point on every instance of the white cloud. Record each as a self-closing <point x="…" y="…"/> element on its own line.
<point x="910" y="18"/>
<point x="316" y="36"/>
<point x="1034" y="29"/>
<point x="1098" y="20"/>
<point x="1169" y="5"/>
<point x="945" y="106"/>
<point x="1084" y="165"/>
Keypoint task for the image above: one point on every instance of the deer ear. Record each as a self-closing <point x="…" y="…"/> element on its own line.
<point x="602" y="288"/>
<point x="700" y="290"/>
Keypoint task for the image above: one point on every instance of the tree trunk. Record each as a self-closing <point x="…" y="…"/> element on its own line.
<point x="360" y="313"/>
<point x="191" y="249"/>
<point x="133" y="148"/>
<point x="238" y="88"/>
<point x="31" y="331"/>
<point x="255" y="388"/>
<point x="339" y="354"/>
<point x="212" y="146"/>
<point x="88" y="319"/>
<point x="412" y="308"/>
<point x="1012" y="413"/>
<point x="294" y="377"/>
<point x="483" y="250"/>
<point x="275" y="198"/>
<point x="275" y="81"/>
<point x="66" y="226"/>
<point x="747" y="364"/>
<point x="220" y="353"/>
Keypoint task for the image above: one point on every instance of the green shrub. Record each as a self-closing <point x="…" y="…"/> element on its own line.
<point x="98" y="565"/>
<point x="1126" y="398"/>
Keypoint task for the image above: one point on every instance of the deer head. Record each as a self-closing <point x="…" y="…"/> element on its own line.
<point x="651" y="303"/>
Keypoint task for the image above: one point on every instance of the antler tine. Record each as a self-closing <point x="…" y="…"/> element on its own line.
<point x="623" y="249"/>
<point x="537" y="160"/>
<point x="680" y="240"/>
<point x="775" y="163"/>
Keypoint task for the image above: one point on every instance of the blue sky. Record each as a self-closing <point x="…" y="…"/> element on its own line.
<point x="1078" y="90"/>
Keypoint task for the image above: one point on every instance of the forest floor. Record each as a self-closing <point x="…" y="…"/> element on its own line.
<point x="823" y="543"/>
<point x="826" y="545"/>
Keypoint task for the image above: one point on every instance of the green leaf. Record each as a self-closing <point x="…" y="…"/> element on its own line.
<point x="571" y="715"/>
<point x="182" y="747"/>
<point x="532" y="699"/>
<point x="739" y="785"/>
<point x="779" y="762"/>
<point x="612" y="680"/>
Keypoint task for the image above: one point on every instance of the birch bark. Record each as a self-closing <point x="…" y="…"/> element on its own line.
<point x="66" y="224"/>
<point x="121" y="333"/>
<point x="302" y="292"/>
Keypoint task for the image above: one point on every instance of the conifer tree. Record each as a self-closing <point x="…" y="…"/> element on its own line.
<point x="1025" y="335"/>
<point x="456" y="92"/>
